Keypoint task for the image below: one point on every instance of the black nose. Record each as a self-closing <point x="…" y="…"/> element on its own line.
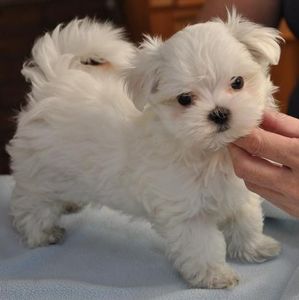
<point x="219" y="115"/>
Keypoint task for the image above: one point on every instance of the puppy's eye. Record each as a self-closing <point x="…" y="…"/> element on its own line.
<point x="94" y="62"/>
<point x="185" y="99"/>
<point x="237" y="82"/>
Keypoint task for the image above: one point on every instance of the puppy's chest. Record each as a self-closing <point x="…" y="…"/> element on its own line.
<point x="197" y="186"/>
<point x="218" y="187"/>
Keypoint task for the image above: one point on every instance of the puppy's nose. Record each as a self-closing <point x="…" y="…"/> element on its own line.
<point x="219" y="115"/>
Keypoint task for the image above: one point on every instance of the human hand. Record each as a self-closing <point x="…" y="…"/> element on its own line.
<point x="276" y="180"/>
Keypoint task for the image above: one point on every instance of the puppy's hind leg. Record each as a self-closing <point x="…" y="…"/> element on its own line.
<point x="36" y="218"/>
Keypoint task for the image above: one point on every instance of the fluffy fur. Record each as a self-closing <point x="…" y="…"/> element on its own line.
<point x="81" y="140"/>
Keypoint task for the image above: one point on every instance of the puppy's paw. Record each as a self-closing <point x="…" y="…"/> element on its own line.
<point x="259" y="250"/>
<point x="219" y="277"/>
<point x="55" y="235"/>
<point x="51" y="236"/>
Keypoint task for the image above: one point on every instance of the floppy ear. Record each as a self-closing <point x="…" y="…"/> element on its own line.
<point x="262" y="42"/>
<point x="142" y="78"/>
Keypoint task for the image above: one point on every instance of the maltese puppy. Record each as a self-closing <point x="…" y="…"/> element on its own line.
<point x="145" y="131"/>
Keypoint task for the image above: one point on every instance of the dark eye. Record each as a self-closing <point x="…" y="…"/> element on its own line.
<point x="237" y="82"/>
<point x="185" y="99"/>
<point x="93" y="62"/>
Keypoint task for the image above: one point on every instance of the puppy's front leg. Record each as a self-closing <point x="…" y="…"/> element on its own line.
<point x="244" y="234"/>
<point x="198" y="251"/>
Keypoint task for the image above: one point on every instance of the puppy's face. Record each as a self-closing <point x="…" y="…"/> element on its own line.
<point x="208" y="85"/>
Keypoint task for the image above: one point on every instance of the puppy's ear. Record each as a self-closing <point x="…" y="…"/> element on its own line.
<point x="142" y="78"/>
<point x="262" y="42"/>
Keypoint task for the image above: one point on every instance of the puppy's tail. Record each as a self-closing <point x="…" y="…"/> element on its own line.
<point x="83" y="44"/>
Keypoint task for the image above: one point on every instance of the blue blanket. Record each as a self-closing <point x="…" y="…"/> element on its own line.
<point x="105" y="256"/>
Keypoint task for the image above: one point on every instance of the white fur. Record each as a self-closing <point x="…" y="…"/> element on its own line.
<point x="81" y="140"/>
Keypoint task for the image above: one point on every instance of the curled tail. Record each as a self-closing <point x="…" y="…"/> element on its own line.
<point x="82" y="44"/>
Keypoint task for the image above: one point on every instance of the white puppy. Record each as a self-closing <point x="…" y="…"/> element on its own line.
<point x="81" y="140"/>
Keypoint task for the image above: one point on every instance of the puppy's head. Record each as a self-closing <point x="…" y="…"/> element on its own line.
<point x="209" y="83"/>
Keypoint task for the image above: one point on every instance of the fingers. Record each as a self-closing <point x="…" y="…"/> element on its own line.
<point x="275" y="198"/>
<point x="280" y="123"/>
<point x="259" y="171"/>
<point x="254" y="156"/>
<point x="272" y="146"/>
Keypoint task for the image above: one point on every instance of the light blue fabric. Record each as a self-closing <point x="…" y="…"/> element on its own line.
<point x="105" y="256"/>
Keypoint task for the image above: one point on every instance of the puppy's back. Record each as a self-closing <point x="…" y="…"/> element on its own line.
<point x="83" y="45"/>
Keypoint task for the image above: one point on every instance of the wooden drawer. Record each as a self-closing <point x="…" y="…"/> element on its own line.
<point x="186" y="3"/>
<point x="160" y="17"/>
<point x="161" y="3"/>
<point x="175" y="3"/>
<point x="182" y="18"/>
<point x="165" y="23"/>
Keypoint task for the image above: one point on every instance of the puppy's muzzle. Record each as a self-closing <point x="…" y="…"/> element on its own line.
<point x="220" y="116"/>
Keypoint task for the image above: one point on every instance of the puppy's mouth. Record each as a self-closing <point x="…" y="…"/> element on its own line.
<point x="222" y="128"/>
